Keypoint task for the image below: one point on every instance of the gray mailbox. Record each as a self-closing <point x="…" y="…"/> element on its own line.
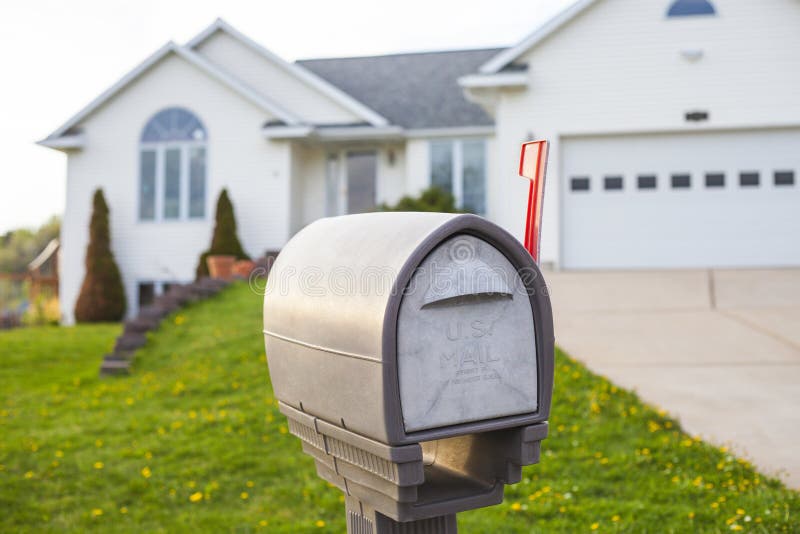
<point x="412" y="354"/>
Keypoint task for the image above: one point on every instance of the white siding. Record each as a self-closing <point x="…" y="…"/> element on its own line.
<point x="617" y="68"/>
<point x="274" y="81"/>
<point x="255" y="171"/>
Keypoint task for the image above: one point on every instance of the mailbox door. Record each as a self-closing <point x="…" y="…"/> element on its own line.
<point x="466" y="346"/>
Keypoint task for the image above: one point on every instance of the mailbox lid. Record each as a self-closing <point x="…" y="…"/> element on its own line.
<point x="466" y="341"/>
<point x="330" y="285"/>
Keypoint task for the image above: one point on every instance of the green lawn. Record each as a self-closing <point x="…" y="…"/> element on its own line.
<point x="193" y="441"/>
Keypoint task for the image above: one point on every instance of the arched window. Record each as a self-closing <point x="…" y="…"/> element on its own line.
<point x="172" y="167"/>
<point x="687" y="8"/>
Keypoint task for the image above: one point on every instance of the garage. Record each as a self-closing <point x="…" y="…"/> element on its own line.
<point x="713" y="199"/>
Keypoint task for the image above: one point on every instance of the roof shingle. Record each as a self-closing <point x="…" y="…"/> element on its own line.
<point x="416" y="90"/>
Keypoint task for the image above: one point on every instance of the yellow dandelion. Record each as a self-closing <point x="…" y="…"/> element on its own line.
<point x="179" y="320"/>
<point x="740" y="511"/>
<point x="595" y="526"/>
<point x="129" y="401"/>
<point x="59" y="454"/>
<point x="263" y="523"/>
<point x="249" y="484"/>
<point x="714" y="505"/>
<point x="283" y="429"/>
<point x="98" y="443"/>
<point x="516" y="507"/>
<point x="97" y="512"/>
<point x="244" y="495"/>
<point x="196" y="497"/>
<point x="146" y="473"/>
<point x="562" y="509"/>
<point x="691" y="515"/>
<point x="29" y="474"/>
<point x="123" y="510"/>
<point x="615" y="518"/>
<point x="320" y="523"/>
<point x="99" y="465"/>
<point x="148" y="455"/>
<point x="736" y="527"/>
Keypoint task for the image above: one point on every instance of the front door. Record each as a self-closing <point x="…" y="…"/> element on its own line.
<point x="362" y="170"/>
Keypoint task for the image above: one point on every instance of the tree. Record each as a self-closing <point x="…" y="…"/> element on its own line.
<point x="224" y="240"/>
<point x="431" y="199"/>
<point x="102" y="296"/>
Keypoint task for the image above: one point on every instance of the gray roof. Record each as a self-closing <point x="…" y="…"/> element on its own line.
<point x="417" y="90"/>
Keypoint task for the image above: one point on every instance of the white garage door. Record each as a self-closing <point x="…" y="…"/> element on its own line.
<point x="692" y="200"/>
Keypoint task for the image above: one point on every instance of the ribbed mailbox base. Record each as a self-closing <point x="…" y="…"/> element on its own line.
<point x="361" y="519"/>
<point x="418" y="488"/>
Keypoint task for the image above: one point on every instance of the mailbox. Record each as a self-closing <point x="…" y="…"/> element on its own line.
<point x="412" y="354"/>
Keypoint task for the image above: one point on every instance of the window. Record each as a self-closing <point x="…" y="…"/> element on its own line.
<point x="688" y="8"/>
<point x="333" y="203"/>
<point x="612" y="183"/>
<point x="715" y="179"/>
<point x="749" y="179"/>
<point x="579" y="183"/>
<point x="681" y="181"/>
<point x="147" y="292"/>
<point x="784" y="177"/>
<point x="647" y="181"/>
<point x="172" y="167"/>
<point x="458" y="166"/>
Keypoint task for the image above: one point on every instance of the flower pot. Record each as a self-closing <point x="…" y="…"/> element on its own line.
<point x="243" y="268"/>
<point x="221" y="266"/>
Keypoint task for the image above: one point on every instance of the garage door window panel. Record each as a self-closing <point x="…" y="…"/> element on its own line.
<point x="579" y="183"/>
<point x="715" y="180"/>
<point x="646" y="181"/>
<point x="784" y="178"/>
<point x="749" y="179"/>
<point x="612" y="183"/>
<point x="681" y="181"/>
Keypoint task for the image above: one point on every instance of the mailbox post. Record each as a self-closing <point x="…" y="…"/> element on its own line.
<point x="412" y="354"/>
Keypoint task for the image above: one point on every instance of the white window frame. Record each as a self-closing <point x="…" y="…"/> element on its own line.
<point x="160" y="148"/>
<point x="457" y="172"/>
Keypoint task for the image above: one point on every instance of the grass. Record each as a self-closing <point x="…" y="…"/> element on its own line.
<point x="193" y="440"/>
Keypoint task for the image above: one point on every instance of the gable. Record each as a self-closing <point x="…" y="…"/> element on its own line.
<point x="625" y="64"/>
<point x="67" y="135"/>
<point x="170" y="82"/>
<point x="269" y="77"/>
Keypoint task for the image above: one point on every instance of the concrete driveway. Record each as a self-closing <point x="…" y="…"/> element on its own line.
<point x="719" y="350"/>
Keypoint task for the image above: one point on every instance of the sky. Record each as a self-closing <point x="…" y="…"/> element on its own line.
<point x="57" y="56"/>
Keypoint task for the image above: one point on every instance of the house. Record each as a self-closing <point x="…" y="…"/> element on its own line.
<point x="675" y="130"/>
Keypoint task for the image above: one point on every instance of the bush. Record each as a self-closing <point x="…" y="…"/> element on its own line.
<point x="224" y="240"/>
<point x="102" y="296"/>
<point x="432" y="199"/>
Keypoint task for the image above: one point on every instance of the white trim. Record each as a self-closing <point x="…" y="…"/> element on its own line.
<point x="335" y="133"/>
<point x="501" y="79"/>
<point x="456" y="131"/>
<point x="542" y="32"/>
<point x="65" y="142"/>
<point x="286" y="132"/>
<point x="195" y="59"/>
<point x="294" y="69"/>
<point x="355" y="133"/>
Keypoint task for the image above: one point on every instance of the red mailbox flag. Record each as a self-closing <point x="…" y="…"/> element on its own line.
<point x="533" y="165"/>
